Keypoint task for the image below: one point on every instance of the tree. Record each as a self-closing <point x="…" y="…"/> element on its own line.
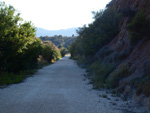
<point x="139" y="27"/>
<point x="17" y="40"/>
<point x="92" y="37"/>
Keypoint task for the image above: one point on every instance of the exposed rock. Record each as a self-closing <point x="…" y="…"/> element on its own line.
<point x="132" y="4"/>
<point x="137" y="55"/>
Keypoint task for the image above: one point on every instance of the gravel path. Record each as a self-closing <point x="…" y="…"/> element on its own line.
<point x="58" y="88"/>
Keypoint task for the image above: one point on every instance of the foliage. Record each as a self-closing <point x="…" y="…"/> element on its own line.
<point x="122" y="72"/>
<point x="18" y="47"/>
<point x="59" y="40"/>
<point x="139" y="27"/>
<point x="50" y="52"/>
<point x="56" y="55"/>
<point x="93" y="38"/>
<point x="63" y="51"/>
<point x="143" y="83"/>
<point x="146" y="89"/>
<point x="76" y="48"/>
<point x="47" y="52"/>
<point x="143" y="87"/>
<point x="101" y="72"/>
<point x="146" y="68"/>
<point x="9" y="78"/>
<point x="97" y="34"/>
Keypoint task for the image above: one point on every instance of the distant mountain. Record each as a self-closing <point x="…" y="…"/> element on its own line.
<point x="63" y="32"/>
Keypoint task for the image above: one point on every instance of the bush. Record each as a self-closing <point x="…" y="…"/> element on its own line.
<point x="143" y="87"/>
<point x="146" y="68"/>
<point x="56" y="54"/>
<point x="50" y="52"/>
<point x="101" y="72"/>
<point x="122" y="72"/>
<point x="103" y="52"/>
<point x="76" y="48"/>
<point x="97" y="34"/>
<point x="63" y="51"/>
<point x="19" y="49"/>
<point x="47" y="53"/>
<point x="139" y="27"/>
<point x="146" y="89"/>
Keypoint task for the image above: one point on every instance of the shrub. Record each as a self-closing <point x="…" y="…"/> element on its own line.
<point x="146" y="89"/>
<point x="122" y="72"/>
<point x="56" y="54"/>
<point x="19" y="49"/>
<point x="143" y="87"/>
<point x="47" y="52"/>
<point x="101" y="73"/>
<point x="97" y="34"/>
<point x="63" y="51"/>
<point x="146" y="68"/>
<point x="50" y="52"/>
<point x="139" y="27"/>
<point x="103" y="52"/>
<point x="76" y="48"/>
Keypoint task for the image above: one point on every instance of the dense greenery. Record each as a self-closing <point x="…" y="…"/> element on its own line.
<point x="108" y="67"/>
<point x="50" y="52"/>
<point x="139" y="27"/>
<point x="18" y="46"/>
<point x="97" y="34"/>
<point x="101" y="72"/>
<point x="92" y="40"/>
<point x="63" y="50"/>
<point x="19" y="49"/>
<point x="122" y="72"/>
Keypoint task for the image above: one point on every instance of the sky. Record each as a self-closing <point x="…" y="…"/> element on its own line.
<point x="58" y="14"/>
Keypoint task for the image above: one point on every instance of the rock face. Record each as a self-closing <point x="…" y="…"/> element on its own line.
<point x="139" y="53"/>
<point x="138" y="56"/>
<point x="132" y="4"/>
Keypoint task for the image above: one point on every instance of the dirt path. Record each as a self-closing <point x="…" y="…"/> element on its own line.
<point x="58" y="88"/>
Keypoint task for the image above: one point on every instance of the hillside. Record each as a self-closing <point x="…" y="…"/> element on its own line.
<point x="59" y="40"/>
<point x="115" y="49"/>
<point x="63" y="32"/>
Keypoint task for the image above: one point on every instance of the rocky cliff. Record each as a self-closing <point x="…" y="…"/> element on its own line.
<point x="137" y="84"/>
<point x="132" y="4"/>
<point x="115" y="49"/>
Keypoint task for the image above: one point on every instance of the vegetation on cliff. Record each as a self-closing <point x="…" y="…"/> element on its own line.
<point x="139" y="27"/>
<point x="109" y="46"/>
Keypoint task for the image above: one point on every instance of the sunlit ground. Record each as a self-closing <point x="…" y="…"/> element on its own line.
<point x="68" y="55"/>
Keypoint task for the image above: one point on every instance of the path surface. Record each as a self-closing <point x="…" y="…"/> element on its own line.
<point x="58" y="88"/>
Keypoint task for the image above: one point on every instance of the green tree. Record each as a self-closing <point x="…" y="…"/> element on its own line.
<point x="139" y="27"/>
<point x="47" y="52"/>
<point x="92" y="37"/>
<point x="17" y="40"/>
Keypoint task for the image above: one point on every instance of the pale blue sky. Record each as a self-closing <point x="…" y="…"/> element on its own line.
<point x="58" y="14"/>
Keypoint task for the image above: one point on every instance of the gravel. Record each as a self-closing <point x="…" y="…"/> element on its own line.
<point x="58" y="88"/>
